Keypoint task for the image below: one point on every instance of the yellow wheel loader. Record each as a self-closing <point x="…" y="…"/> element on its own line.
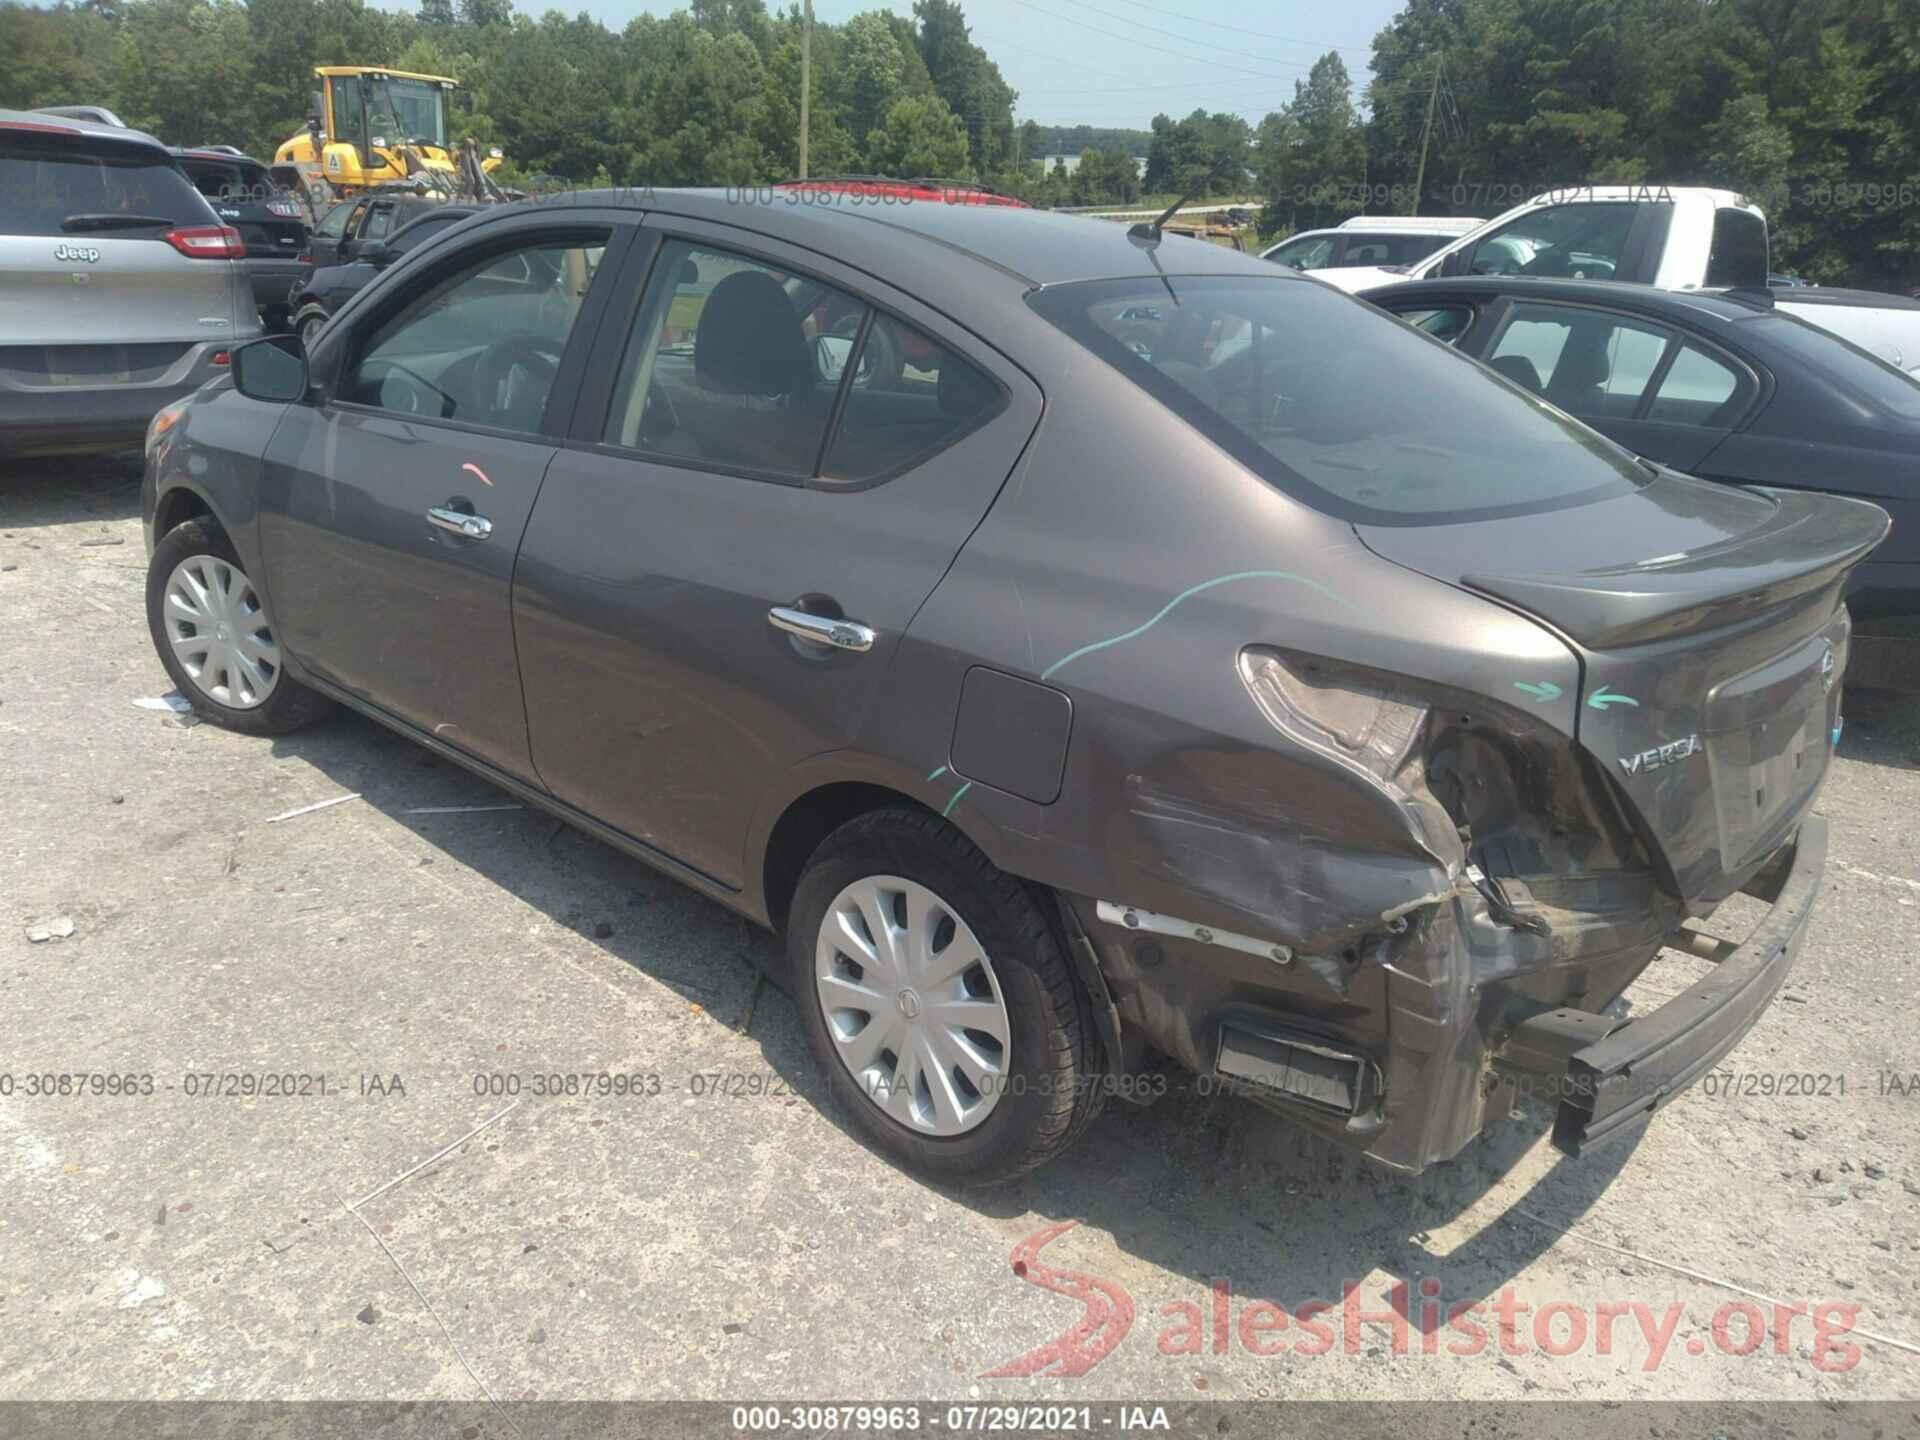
<point x="374" y="128"/>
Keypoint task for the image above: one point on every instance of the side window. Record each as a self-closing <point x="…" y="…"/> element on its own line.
<point x="1579" y="242"/>
<point x="482" y="345"/>
<point x="378" y="220"/>
<point x="1305" y="254"/>
<point x="1588" y="362"/>
<point x="1696" y="390"/>
<point x="410" y="237"/>
<point x="734" y="362"/>
<point x="909" y="396"/>
<point x="354" y="218"/>
<point x="334" y="223"/>
<point x="1443" y="322"/>
<point x="1374" y="250"/>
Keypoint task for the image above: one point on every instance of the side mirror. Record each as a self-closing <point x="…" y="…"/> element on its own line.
<point x="273" y="369"/>
<point x="1454" y="264"/>
<point x="376" y="253"/>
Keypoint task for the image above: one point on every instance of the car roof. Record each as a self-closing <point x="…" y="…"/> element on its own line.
<point x="40" y="120"/>
<point x="1036" y="247"/>
<point x="1721" y="304"/>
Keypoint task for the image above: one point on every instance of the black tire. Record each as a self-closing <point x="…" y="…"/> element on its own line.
<point x="290" y="706"/>
<point x="307" y="324"/>
<point x="1054" y="1075"/>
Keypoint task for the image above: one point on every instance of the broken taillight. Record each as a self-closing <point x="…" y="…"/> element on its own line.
<point x="207" y="242"/>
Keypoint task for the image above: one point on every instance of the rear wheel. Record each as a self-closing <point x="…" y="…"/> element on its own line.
<point x="939" y="1001"/>
<point x="213" y="634"/>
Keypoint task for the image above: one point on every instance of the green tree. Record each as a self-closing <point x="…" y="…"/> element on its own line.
<point x="920" y="136"/>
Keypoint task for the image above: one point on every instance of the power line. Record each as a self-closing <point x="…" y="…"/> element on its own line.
<point x="1161" y="49"/>
<point x="1202" y="44"/>
<point x="1243" y="30"/>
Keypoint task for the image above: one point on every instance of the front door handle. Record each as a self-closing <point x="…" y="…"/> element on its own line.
<point x="461" y="522"/>
<point x="822" y="629"/>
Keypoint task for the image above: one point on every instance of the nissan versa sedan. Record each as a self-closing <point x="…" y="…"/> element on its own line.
<point x="1068" y="701"/>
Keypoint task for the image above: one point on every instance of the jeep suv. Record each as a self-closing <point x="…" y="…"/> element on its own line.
<point x="121" y="290"/>
<point x="271" y="223"/>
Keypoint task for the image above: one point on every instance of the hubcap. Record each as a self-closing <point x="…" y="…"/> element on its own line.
<point x="220" y="633"/>
<point x="912" y="1005"/>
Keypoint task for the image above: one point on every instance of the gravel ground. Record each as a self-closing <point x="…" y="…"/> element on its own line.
<point x="697" y="1242"/>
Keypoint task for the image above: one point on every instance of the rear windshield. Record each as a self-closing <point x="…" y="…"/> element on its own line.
<point x="1865" y="374"/>
<point x="1355" y="412"/>
<point x="234" y="181"/>
<point x="47" y="181"/>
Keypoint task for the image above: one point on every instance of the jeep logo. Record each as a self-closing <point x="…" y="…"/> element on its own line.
<point x="76" y="252"/>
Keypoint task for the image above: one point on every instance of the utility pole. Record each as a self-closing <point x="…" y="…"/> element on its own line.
<point x="1426" y="131"/>
<point x="806" y="82"/>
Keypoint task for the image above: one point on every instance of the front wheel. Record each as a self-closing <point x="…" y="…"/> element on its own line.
<point x="939" y="1001"/>
<point x="215" y="638"/>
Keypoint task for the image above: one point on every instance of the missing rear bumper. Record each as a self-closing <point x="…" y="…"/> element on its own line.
<point x="1611" y="1077"/>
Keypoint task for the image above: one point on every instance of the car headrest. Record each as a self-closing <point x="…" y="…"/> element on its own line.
<point x="962" y="389"/>
<point x="749" y="341"/>
<point x="1518" y="369"/>
<point x="1582" y="365"/>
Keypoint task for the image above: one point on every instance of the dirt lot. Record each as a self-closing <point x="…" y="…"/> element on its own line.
<point x="714" y="1237"/>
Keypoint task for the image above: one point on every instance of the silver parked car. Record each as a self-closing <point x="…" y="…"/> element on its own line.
<point x="120" y="289"/>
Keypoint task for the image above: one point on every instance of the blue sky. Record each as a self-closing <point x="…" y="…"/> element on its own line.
<point x="1119" y="62"/>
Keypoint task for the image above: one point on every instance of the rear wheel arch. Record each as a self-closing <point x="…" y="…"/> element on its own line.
<point x="807" y="820"/>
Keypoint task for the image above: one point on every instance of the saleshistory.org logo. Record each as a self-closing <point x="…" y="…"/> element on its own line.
<point x="1503" y="1325"/>
<point x="87" y="254"/>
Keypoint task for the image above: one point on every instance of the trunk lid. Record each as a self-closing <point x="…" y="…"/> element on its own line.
<point x="1711" y="637"/>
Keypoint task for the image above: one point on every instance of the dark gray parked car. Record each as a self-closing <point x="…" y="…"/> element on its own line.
<point x="1724" y="385"/>
<point x="1063" y="697"/>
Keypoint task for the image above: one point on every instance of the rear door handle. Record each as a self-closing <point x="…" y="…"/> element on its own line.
<point x="822" y="629"/>
<point x="461" y="522"/>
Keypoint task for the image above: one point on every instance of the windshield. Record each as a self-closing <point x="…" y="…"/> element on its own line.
<point x="45" y="179"/>
<point x="1354" y="412"/>
<point x="407" y="110"/>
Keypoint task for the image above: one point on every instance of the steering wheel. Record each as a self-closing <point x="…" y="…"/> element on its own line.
<point x="513" y="377"/>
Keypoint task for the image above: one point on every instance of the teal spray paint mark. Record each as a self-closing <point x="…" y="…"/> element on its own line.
<point x="1602" y="698"/>
<point x="956" y="799"/>
<point x="1174" y="603"/>
<point x="1546" y="690"/>
<point x="937" y="774"/>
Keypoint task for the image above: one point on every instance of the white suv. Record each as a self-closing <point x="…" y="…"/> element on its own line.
<point x="120" y="289"/>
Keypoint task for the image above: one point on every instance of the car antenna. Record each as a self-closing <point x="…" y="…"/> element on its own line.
<point x="1150" y="233"/>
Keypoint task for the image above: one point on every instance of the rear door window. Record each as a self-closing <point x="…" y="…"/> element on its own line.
<point x="1591" y="363"/>
<point x="51" y="185"/>
<point x="908" y="396"/>
<point x="1286" y="377"/>
<point x="1696" y="390"/>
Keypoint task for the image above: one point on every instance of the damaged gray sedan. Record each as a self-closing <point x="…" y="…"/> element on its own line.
<point x="1084" y="646"/>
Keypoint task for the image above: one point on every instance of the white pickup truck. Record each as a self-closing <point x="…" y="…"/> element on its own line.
<point x="1671" y="236"/>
